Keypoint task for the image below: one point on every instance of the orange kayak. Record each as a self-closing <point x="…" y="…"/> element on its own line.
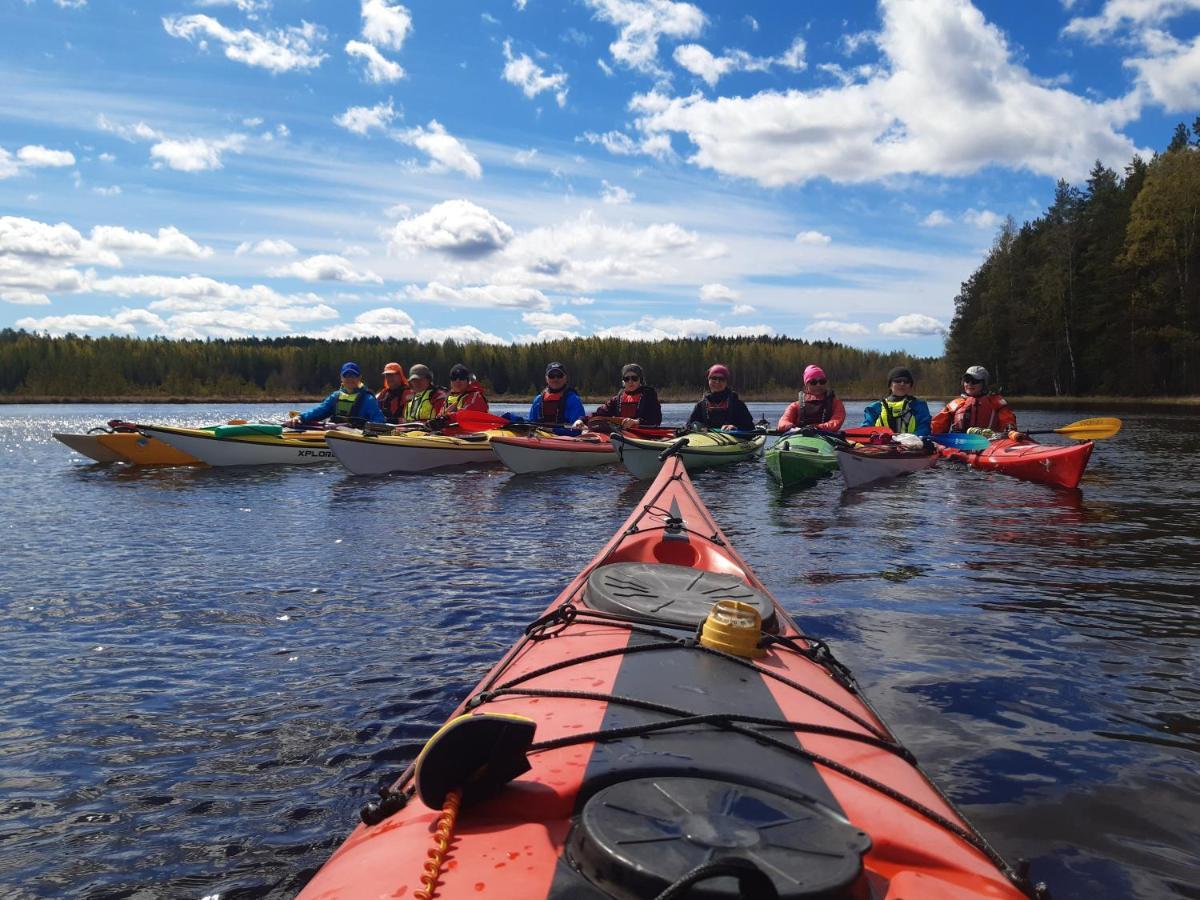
<point x="1059" y="466"/>
<point x="663" y="726"/>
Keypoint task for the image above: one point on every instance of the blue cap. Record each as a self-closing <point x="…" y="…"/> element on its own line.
<point x="351" y="369"/>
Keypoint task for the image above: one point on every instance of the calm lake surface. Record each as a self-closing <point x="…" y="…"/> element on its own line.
<point x="206" y="672"/>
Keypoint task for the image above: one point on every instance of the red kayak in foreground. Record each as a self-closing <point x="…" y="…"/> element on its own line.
<point x="1060" y="466"/>
<point x="664" y="729"/>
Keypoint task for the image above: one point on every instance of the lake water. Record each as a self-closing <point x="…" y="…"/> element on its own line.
<point x="206" y="672"/>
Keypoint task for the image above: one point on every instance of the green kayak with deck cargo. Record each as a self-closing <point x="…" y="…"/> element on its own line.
<point x="795" y="461"/>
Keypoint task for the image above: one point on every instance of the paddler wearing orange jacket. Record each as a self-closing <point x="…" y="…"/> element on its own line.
<point x="818" y="408"/>
<point x="393" y="398"/>
<point x="975" y="407"/>
<point x="466" y="393"/>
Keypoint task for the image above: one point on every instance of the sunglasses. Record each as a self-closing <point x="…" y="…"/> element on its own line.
<point x="716" y="377"/>
<point x="556" y="374"/>
<point x="459" y="378"/>
<point x="630" y="378"/>
<point x="819" y="381"/>
<point x="967" y="379"/>
<point x="902" y="381"/>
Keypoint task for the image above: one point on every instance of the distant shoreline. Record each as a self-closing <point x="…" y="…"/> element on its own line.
<point x="1163" y="404"/>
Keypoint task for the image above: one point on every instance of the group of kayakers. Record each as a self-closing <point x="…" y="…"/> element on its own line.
<point x="416" y="398"/>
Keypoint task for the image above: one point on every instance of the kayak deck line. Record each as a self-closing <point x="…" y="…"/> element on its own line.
<point x="634" y="713"/>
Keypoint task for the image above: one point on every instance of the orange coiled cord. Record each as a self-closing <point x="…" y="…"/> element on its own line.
<point x="441" y="844"/>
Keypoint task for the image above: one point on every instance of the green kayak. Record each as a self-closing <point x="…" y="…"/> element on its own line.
<point x="800" y="460"/>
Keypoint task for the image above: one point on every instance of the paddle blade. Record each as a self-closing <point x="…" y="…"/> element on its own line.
<point x="473" y="420"/>
<point x="1091" y="429"/>
<point x="971" y="443"/>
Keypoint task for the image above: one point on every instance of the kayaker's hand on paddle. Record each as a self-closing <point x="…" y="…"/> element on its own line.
<point x="728" y="428"/>
<point x="809" y="431"/>
<point x="294" y="424"/>
<point x="985" y="432"/>
<point x="437" y="423"/>
<point x="1018" y="436"/>
<point x="628" y="423"/>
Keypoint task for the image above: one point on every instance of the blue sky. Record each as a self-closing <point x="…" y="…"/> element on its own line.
<point x="508" y="171"/>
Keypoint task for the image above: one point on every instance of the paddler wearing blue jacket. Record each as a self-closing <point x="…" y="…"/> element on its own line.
<point x="559" y="402"/>
<point x="352" y="403"/>
<point x="900" y="411"/>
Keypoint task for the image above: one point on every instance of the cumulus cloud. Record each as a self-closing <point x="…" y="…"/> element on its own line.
<point x="614" y="194"/>
<point x="620" y="144"/>
<point x="531" y="78"/>
<point x="936" y="219"/>
<point x="379" y="69"/>
<point x="386" y="24"/>
<point x="660" y="328"/>
<point x="283" y="50"/>
<point x="266" y="247"/>
<point x="1169" y="72"/>
<point x="544" y="320"/>
<point x="195" y="154"/>
<point x="20" y="297"/>
<point x="831" y="327"/>
<point x="35" y="156"/>
<point x="715" y="293"/>
<point x="385" y="322"/>
<point x="709" y="68"/>
<point x="947" y="99"/>
<point x="485" y="296"/>
<point x="126" y="321"/>
<point x="640" y="23"/>
<point x="169" y="241"/>
<point x="456" y="227"/>
<point x="326" y="267"/>
<point x="361" y="119"/>
<point x="813" y="238"/>
<point x="443" y="149"/>
<point x="982" y="218"/>
<point x="912" y="325"/>
<point x="30" y="239"/>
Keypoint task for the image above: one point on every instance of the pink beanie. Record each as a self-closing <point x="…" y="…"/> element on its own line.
<point x="813" y="372"/>
<point x="719" y="369"/>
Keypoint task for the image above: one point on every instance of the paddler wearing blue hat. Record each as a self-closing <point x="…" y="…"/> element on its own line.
<point x="352" y="403"/>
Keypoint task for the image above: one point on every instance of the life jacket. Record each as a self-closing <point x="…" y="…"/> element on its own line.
<point x="897" y="415"/>
<point x="423" y="406"/>
<point x="969" y="412"/>
<point x="345" y="404"/>
<point x="816" y="411"/>
<point x="553" y="405"/>
<point x="466" y="400"/>
<point x="630" y="403"/>
<point x="392" y="402"/>
<point x="716" y="412"/>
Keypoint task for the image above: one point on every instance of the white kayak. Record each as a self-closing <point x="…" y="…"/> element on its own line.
<point x="89" y="445"/>
<point x="863" y="464"/>
<point x="525" y="454"/>
<point x="370" y="454"/>
<point x="227" y="447"/>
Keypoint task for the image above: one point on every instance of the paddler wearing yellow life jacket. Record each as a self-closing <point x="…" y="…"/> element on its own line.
<point x="466" y="393"/>
<point x="900" y="411"/>
<point x="352" y="403"/>
<point x="425" y="399"/>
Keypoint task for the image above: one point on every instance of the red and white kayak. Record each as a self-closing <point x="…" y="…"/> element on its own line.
<point x="543" y="452"/>
<point x="864" y="464"/>
<point x="613" y="753"/>
<point x="1060" y="466"/>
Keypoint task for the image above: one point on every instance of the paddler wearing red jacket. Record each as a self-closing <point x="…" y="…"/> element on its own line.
<point x="636" y="404"/>
<point x="466" y="393"/>
<point x="393" y="398"/>
<point x="975" y="407"/>
<point x="818" y="407"/>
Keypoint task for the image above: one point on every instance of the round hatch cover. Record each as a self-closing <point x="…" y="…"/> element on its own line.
<point x="636" y="838"/>
<point x="675" y="594"/>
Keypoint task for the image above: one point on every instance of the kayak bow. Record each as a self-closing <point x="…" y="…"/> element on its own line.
<point x="700" y="450"/>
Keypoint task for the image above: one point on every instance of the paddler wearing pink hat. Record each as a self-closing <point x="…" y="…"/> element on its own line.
<point x="818" y="408"/>
<point x="720" y="407"/>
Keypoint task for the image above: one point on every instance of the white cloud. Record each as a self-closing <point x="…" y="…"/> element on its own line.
<point x="8" y="165"/>
<point x="266" y="247"/>
<point x="704" y="65"/>
<point x="282" y="50"/>
<point x="1170" y="72"/>
<point x="170" y="241"/>
<point x="531" y="78"/>
<point x="462" y="334"/>
<point x="379" y="69"/>
<point x="813" y="238"/>
<point x="614" y="194"/>
<point x="386" y="24"/>
<point x="70" y="4"/>
<point x="24" y="298"/>
<point x="486" y="296"/>
<point x="829" y="327"/>
<point x="947" y="99"/>
<point x="1118" y="16"/>
<point x="30" y="239"/>
<point x="444" y="150"/>
<point x="751" y="21"/>
<point x="652" y="328"/>
<point x="913" y="324"/>
<point x="545" y="320"/>
<point x="741" y="309"/>
<point x="126" y="321"/>
<point x="110" y="191"/>
<point x="525" y="157"/>
<point x="385" y="322"/>
<point x="581" y="301"/>
<point x="361" y="119"/>
<point x="250" y="7"/>
<point x="326" y="267"/>
<point x="713" y="293"/>
<point x="640" y="23"/>
<point x="620" y="144"/>
<point x="793" y="56"/>
<point x="196" y="154"/>
<point x="936" y="219"/>
<point x="34" y="156"/>
<point x="456" y="227"/>
<point x="982" y="218"/>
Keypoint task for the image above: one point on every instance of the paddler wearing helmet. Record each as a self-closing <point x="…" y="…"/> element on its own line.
<point x="976" y="407"/>
<point x="393" y="397"/>
<point x="466" y="393"/>
<point x="635" y="404"/>
<point x="425" y="399"/>
<point x="352" y="403"/>
<point x="818" y="408"/>
<point x="558" y="403"/>
<point x="720" y="407"/>
<point x="900" y="410"/>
